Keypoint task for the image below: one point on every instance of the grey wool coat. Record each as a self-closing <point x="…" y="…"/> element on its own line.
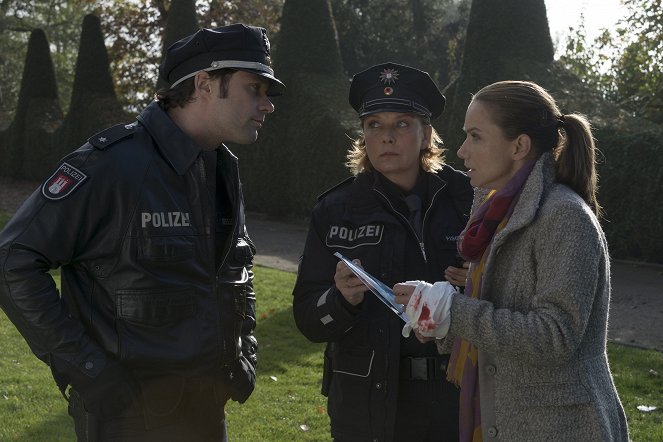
<point x="540" y="324"/>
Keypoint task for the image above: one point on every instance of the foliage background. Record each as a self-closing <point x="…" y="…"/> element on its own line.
<point x="317" y="45"/>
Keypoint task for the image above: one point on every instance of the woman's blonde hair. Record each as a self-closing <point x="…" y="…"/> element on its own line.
<point x="523" y="107"/>
<point x="431" y="159"/>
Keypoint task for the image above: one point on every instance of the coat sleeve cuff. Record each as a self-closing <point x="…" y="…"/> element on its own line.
<point x="334" y="311"/>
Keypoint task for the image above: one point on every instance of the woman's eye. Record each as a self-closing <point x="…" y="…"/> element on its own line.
<point x="402" y="123"/>
<point x="372" y="124"/>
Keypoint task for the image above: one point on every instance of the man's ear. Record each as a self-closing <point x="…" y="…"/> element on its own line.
<point x="522" y="147"/>
<point x="202" y="83"/>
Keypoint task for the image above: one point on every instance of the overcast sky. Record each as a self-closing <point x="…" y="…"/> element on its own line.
<point x="598" y="14"/>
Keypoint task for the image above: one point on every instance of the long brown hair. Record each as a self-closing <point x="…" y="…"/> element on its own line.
<point x="523" y="107"/>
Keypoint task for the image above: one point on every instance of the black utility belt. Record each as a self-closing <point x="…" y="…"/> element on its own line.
<point x="424" y="368"/>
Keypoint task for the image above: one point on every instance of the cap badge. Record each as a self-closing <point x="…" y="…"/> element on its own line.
<point x="388" y="90"/>
<point x="388" y="76"/>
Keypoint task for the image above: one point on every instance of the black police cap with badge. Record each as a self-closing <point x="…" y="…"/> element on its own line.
<point x="391" y="87"/>
<point x="238" y="46"/>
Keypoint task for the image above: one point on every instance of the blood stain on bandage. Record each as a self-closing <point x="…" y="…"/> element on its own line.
<point x="425" y="321"/>
<point x="425" y="313"/>
<point x="417" y="299"/>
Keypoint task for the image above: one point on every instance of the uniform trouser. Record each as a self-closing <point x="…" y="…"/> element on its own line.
<point x="427" y="409"/>
<point x="198" y="418"/>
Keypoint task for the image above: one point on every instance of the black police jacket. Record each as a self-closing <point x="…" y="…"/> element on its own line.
<point x="130" y="221"/>
<point x="362" y="357"/>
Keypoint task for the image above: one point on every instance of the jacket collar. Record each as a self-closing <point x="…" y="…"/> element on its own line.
<point x="538" y="183"/>
<point x="363" y="190"/>
<point x="176" y="147"/>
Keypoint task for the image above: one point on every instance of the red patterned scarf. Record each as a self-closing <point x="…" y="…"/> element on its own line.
<point x="474" y="246"/>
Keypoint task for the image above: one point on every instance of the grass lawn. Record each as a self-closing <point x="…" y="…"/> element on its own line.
<point x="287" y="405"/>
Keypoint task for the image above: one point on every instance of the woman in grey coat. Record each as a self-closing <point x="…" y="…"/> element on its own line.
<point x="528" y="336"/>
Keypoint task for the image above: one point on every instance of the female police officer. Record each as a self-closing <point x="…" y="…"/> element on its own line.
<point x="399" y="216"/>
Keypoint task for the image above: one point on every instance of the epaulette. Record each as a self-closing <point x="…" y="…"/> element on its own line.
<point x="107" y="137"/>
<point x="343" y="183"/>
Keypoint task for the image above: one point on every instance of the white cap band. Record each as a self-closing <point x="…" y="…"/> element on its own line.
<point x="239" y="64"/>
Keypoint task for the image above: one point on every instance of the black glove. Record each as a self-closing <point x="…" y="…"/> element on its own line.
<point x="108" y="394"/>
<point x="249" y="346"/>
<point x="240" y="378"/>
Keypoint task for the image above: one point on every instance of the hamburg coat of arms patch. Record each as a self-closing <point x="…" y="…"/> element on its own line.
<point x="63" y="182"/>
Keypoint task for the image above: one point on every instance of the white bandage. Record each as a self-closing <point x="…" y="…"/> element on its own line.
<point x="429" y="309"/>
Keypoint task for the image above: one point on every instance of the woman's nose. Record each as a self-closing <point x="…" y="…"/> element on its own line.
<point x="387" y="136"/>
<point x="461" y="152"/>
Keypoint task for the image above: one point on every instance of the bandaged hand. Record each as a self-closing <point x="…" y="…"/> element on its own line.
<point x="428" y="308"/>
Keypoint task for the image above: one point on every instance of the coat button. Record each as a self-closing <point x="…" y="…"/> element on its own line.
<point x="491" y="369"/>
<point x="89" y="365"/>
<point x="378" y="385"/>
<point x="492" y="432"/>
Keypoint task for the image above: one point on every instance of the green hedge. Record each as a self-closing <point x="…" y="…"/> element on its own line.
<point x="301" y="149"/>
<point x="631" y="191"/>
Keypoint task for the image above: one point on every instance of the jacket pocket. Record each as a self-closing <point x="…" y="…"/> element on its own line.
<point x="549" y="386"/>
<point x="358" y="365"/>
<point x="158" y="325"/>
<point x="544" y="395"/>
<point x="351" y="390"/>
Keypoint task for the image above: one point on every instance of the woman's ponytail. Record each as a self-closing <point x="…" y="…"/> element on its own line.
<point x="576" y="159"/>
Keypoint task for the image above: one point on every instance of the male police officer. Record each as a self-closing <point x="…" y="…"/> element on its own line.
<point x="153" y="331"/>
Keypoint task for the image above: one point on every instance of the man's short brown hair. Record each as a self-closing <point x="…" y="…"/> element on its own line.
<point x="182" y="94"/>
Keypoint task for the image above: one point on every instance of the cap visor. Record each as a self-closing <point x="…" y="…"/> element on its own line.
<point x="276" y="87"/>
<point x="392" y="108"/>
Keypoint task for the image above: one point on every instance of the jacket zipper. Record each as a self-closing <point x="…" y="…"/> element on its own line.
<point x="420" y="241"/>
<point x="205" y="188"/>
<point x="235" y="208"/>
<point x="212" y="230"/>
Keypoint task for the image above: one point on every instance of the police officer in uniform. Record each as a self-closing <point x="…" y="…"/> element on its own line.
<point x="153" y="330"/>
<point x="399" y="217"/>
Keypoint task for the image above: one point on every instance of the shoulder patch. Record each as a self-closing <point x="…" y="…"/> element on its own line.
<point x="63" y="182"/>
<point x="107" y="137"/>
<point x="343" y="183"/>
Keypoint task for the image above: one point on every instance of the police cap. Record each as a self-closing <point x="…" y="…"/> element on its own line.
<point x="391" y="87"/>
<point x="237" y="46"/>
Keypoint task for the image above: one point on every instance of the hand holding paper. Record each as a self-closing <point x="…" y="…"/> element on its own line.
<point x="351" y="287"/>
<point x="428" y="307"/>
<point x="377" y="287"/>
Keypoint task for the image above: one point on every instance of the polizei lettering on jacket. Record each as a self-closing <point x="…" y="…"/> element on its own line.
<point x="165" y="219"/>
<point x="351" y="237"/>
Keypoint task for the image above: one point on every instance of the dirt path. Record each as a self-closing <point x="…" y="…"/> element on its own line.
<point x="636" y="312"/>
